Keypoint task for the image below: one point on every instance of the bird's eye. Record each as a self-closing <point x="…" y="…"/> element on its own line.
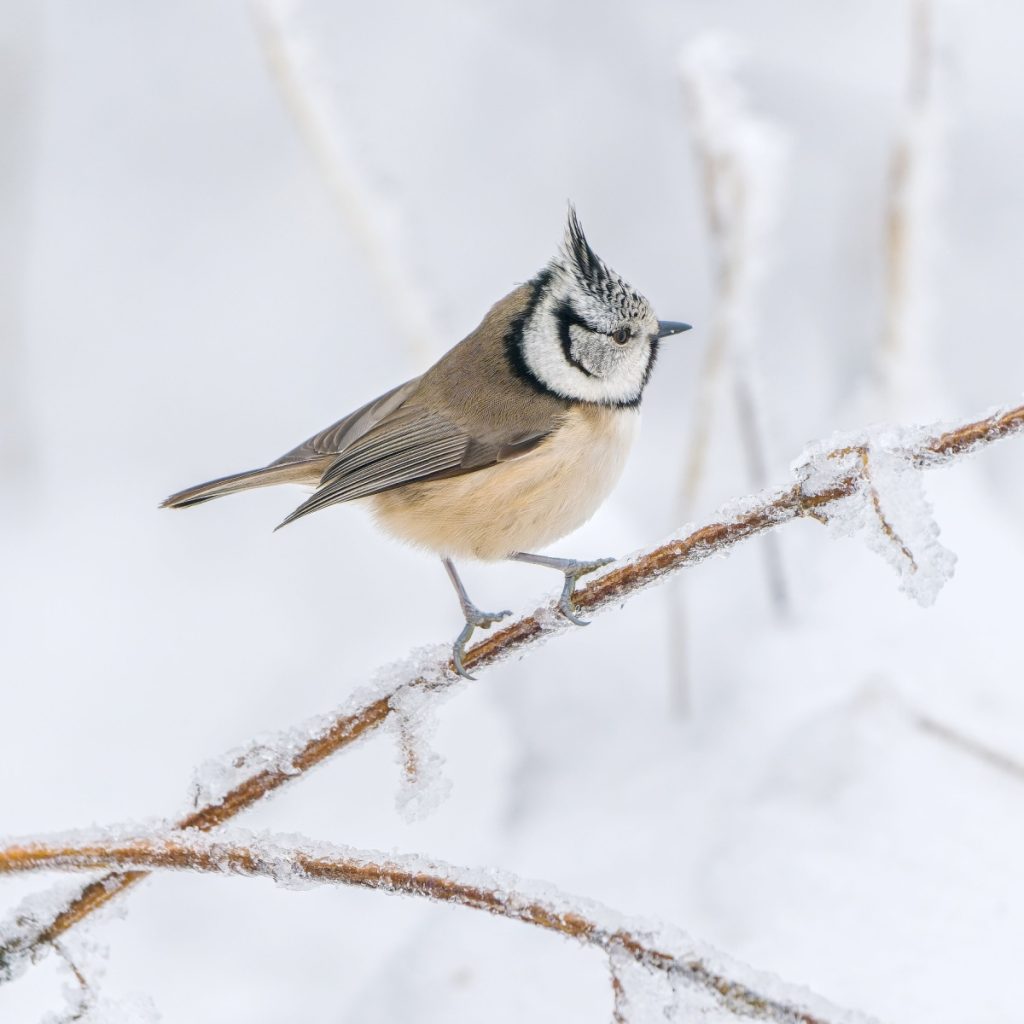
<point x="621" y="336"/>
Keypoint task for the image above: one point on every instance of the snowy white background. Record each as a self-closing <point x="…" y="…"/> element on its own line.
<point x="181" y="296"/>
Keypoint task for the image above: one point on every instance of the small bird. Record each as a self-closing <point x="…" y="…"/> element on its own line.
<point x="506" y="444"/>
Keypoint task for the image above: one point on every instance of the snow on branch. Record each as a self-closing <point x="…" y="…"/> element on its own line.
<point x="640" y="954"/>
<point x="866" y="482"/>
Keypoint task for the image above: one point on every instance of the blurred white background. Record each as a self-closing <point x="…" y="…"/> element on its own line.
<point x="186" y="290"/>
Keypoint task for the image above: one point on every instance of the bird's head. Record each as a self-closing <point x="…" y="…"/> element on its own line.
<point x="588" y="335"/>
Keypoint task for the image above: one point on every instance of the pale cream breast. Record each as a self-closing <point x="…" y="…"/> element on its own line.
<point x="521" y="505"/>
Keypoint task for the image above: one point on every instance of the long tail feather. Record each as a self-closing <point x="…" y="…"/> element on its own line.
<point x="299" y="473"/>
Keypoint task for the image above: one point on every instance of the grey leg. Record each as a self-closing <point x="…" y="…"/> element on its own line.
<point x="572" y="570"/>
<point x="474" y="618"/>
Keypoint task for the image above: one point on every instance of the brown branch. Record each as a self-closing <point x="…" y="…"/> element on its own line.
<point x="759" y="514"/>
<point x="443" y="883"/>
<point x="864" y="455"/>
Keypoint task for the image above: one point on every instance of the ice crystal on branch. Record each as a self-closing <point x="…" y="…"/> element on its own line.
<point x="888" y="506"/>
<point x="424" y="786"/>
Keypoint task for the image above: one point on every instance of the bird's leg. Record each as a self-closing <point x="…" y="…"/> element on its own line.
<point x="474" y="618"/>
<point x="572" y="570"/>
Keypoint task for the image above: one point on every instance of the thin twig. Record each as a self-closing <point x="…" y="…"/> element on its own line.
<point x="619" y="1001"/>
<point x="759" y="514"/>
<point x="85" y="991"/>
<point x="864" y="455"/>
<point x="503" y="896"/>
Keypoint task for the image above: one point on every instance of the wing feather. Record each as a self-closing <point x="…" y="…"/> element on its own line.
<point x="338" y="436"/>
<point x="409" y="445"/>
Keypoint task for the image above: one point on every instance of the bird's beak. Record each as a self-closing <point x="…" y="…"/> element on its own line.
<point x="667" y="327"/>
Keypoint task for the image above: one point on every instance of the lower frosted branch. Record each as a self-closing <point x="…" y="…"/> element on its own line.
<point x="663" y="955"/>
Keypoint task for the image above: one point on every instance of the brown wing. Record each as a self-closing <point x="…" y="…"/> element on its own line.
<point x="338" y="436"/>
<point x="411" y="443"/>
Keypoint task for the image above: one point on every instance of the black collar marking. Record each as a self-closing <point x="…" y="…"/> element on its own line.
<point x="514" y="337"/>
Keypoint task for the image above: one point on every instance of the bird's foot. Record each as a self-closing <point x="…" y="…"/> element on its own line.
<point x="574" y="571"/>
<point x="475" y="619"/>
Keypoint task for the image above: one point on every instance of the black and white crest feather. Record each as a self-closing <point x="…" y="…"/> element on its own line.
<point x="588" y="265"/>
<point x="588" y="335"/>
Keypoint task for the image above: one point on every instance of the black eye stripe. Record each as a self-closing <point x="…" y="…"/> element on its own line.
<point x="567" y="317"/>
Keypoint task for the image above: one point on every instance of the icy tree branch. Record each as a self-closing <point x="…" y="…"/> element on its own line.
<point x="839" y="482"/>
<point x="667" y="952"/>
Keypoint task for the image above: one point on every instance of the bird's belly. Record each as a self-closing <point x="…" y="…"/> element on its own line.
<point x="520" y="505"/>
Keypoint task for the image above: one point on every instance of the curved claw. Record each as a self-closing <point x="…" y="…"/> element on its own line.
<point x="566" y="607"/>
<point x="573" y="572"/>
<point x="474" y="619"/>
<point x="459" y="649"/>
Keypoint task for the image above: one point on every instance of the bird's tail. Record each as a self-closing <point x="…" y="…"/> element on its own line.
<point x="294" y="473"/>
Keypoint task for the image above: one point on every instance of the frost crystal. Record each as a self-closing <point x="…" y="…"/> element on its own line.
<point x="639" y="993"/>
<point x="215" y="778"/>
<point x="424" y="786"/>
<point x="84" y="965"/>
<point x="888" y="507"/>
<point x="21" y="926"/>
<point x="85" y="1008"/>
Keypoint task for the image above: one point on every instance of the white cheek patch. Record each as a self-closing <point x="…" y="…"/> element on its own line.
<point x="615" y="380"/>
<point x="597" y="358"/>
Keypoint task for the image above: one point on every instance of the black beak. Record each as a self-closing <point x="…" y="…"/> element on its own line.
<point x="667" y="327"/>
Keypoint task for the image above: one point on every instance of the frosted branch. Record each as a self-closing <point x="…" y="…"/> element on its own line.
<point x="659" y="952"/>
<point x="829" y="481"/>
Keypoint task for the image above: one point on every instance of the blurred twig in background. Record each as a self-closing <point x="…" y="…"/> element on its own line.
<point x="19" y="41"/>
<point x="974" y="748"/>
<point x="674" y="956"/>
<point x="903" y="366"/>
<point x="373" y="221"/>
<point x="740" y="157"/>
<point x="827" y="480"/>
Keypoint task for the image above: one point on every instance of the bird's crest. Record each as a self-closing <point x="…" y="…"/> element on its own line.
<point x="588" y="268"/>
<point x="581" y="264"/>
